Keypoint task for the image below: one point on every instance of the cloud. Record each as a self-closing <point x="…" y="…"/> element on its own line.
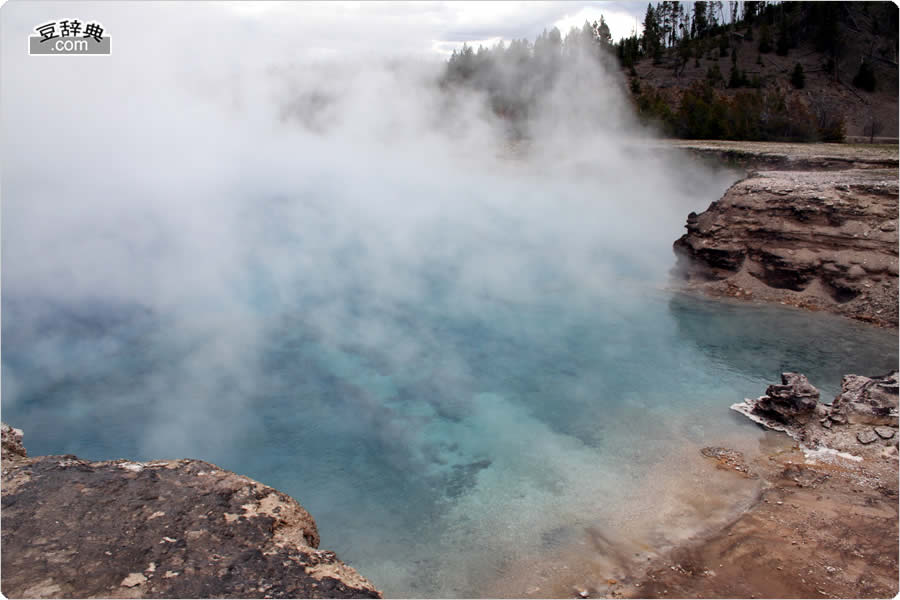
<point x="295" y="30"/>
<point x="621" y="23"/>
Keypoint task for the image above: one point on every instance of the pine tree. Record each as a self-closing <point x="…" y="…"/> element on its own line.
<point x="798" y="78"/>
<point x="651" y="36"/>
<point x="700" y="22"/>
<point x="765" y="39"/>
<point x="603" y="32"/>
<point x="784" y="42"/>
<point x="865" y="77"/>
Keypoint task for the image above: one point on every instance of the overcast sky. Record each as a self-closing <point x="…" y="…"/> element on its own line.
<point x="313" y="29"/>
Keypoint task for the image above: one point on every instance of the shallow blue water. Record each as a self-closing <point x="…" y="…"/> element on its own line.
<point x="453" y="371"/>
<point x="496" y="410"/>
<point x="454" y="360"/>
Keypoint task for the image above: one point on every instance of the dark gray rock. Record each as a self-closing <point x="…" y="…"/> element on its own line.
<point x="165" y="529"/>
<point x="867" y="400"/>
<point x="793" y="401"/>
<point x="884" y="433"/>
<point x="867" y="436"/>
<point x="844" y="426"/>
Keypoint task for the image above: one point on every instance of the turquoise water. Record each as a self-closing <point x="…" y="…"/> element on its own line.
<point x="456" y="364"/>
<point x="485" y="439"/>
<point x="456" y="361"/>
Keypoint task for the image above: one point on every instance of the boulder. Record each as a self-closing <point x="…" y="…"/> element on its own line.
<point x="884" y="433"/>
<point x="866" y="436"/>
<point x="863" y="414"/>
<point x="12" y="442"/>
<point x="867" y="400"/>
<point x="793" y="401"/>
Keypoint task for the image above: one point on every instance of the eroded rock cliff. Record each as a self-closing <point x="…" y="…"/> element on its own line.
<point x="816" y="239"/>
<point x="164" y="529"/>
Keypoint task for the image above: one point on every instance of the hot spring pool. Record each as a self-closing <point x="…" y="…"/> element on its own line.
<point x="459" y="353"/>
<point x="505" y="433"/>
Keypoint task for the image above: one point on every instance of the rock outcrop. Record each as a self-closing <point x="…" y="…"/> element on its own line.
<point x="794" y="401"/>
<point x="864" y="413"/>
<point x="867" y="401"/>
<point x="164" y="529"/>
<point x="12" y="442"/>
<point x="816" y="239"/>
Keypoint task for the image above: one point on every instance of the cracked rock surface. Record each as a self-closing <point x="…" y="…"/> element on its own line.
<point x="164" y="529"/>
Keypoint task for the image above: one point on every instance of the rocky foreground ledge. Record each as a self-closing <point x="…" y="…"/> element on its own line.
<point x="816" y="230"/>
<point x="163" y="529"/>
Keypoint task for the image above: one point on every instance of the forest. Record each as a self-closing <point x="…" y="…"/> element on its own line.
<point x="739" y="102"/>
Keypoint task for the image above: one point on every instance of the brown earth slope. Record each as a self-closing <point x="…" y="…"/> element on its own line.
<point x="863" y="34"/>
<point x="825" y="525"/>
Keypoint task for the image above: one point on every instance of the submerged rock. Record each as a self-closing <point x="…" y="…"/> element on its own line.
<point x="164" y="529"/>
<point x="727" y="458"/>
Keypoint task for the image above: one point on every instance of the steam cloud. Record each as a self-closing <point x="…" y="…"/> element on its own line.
<point x="183" y="209"/>
<point x="212" y="186"/>
<point x="325" y="271"/>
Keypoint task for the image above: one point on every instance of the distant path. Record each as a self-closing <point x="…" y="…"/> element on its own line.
<point x="790" y="156"/>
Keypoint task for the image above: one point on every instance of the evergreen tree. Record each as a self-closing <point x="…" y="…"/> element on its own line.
<point x="711" y="20"/>
<point x="651" y="36"/>
<point x="603" y="32"/>
<point x="765" y="39"/>
<point x="798" y="78"/>
<point x="736" y="78"/>
<point x="783" y="44"/>
<point x="865" y="77"/>
<point x="714" y="74"/>
<point x="751" y="10"/>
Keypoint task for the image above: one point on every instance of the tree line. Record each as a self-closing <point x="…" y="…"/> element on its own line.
<point x="514" y="76"/>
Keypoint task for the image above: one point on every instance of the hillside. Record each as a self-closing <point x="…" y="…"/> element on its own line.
<point x="788" y="71"/>
<point x="705" y="86"/>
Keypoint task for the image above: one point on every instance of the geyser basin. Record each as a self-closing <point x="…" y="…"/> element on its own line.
<point x="458" y="363"/>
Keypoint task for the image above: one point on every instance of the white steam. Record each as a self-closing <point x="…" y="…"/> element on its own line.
<point x="179" y="176"/>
